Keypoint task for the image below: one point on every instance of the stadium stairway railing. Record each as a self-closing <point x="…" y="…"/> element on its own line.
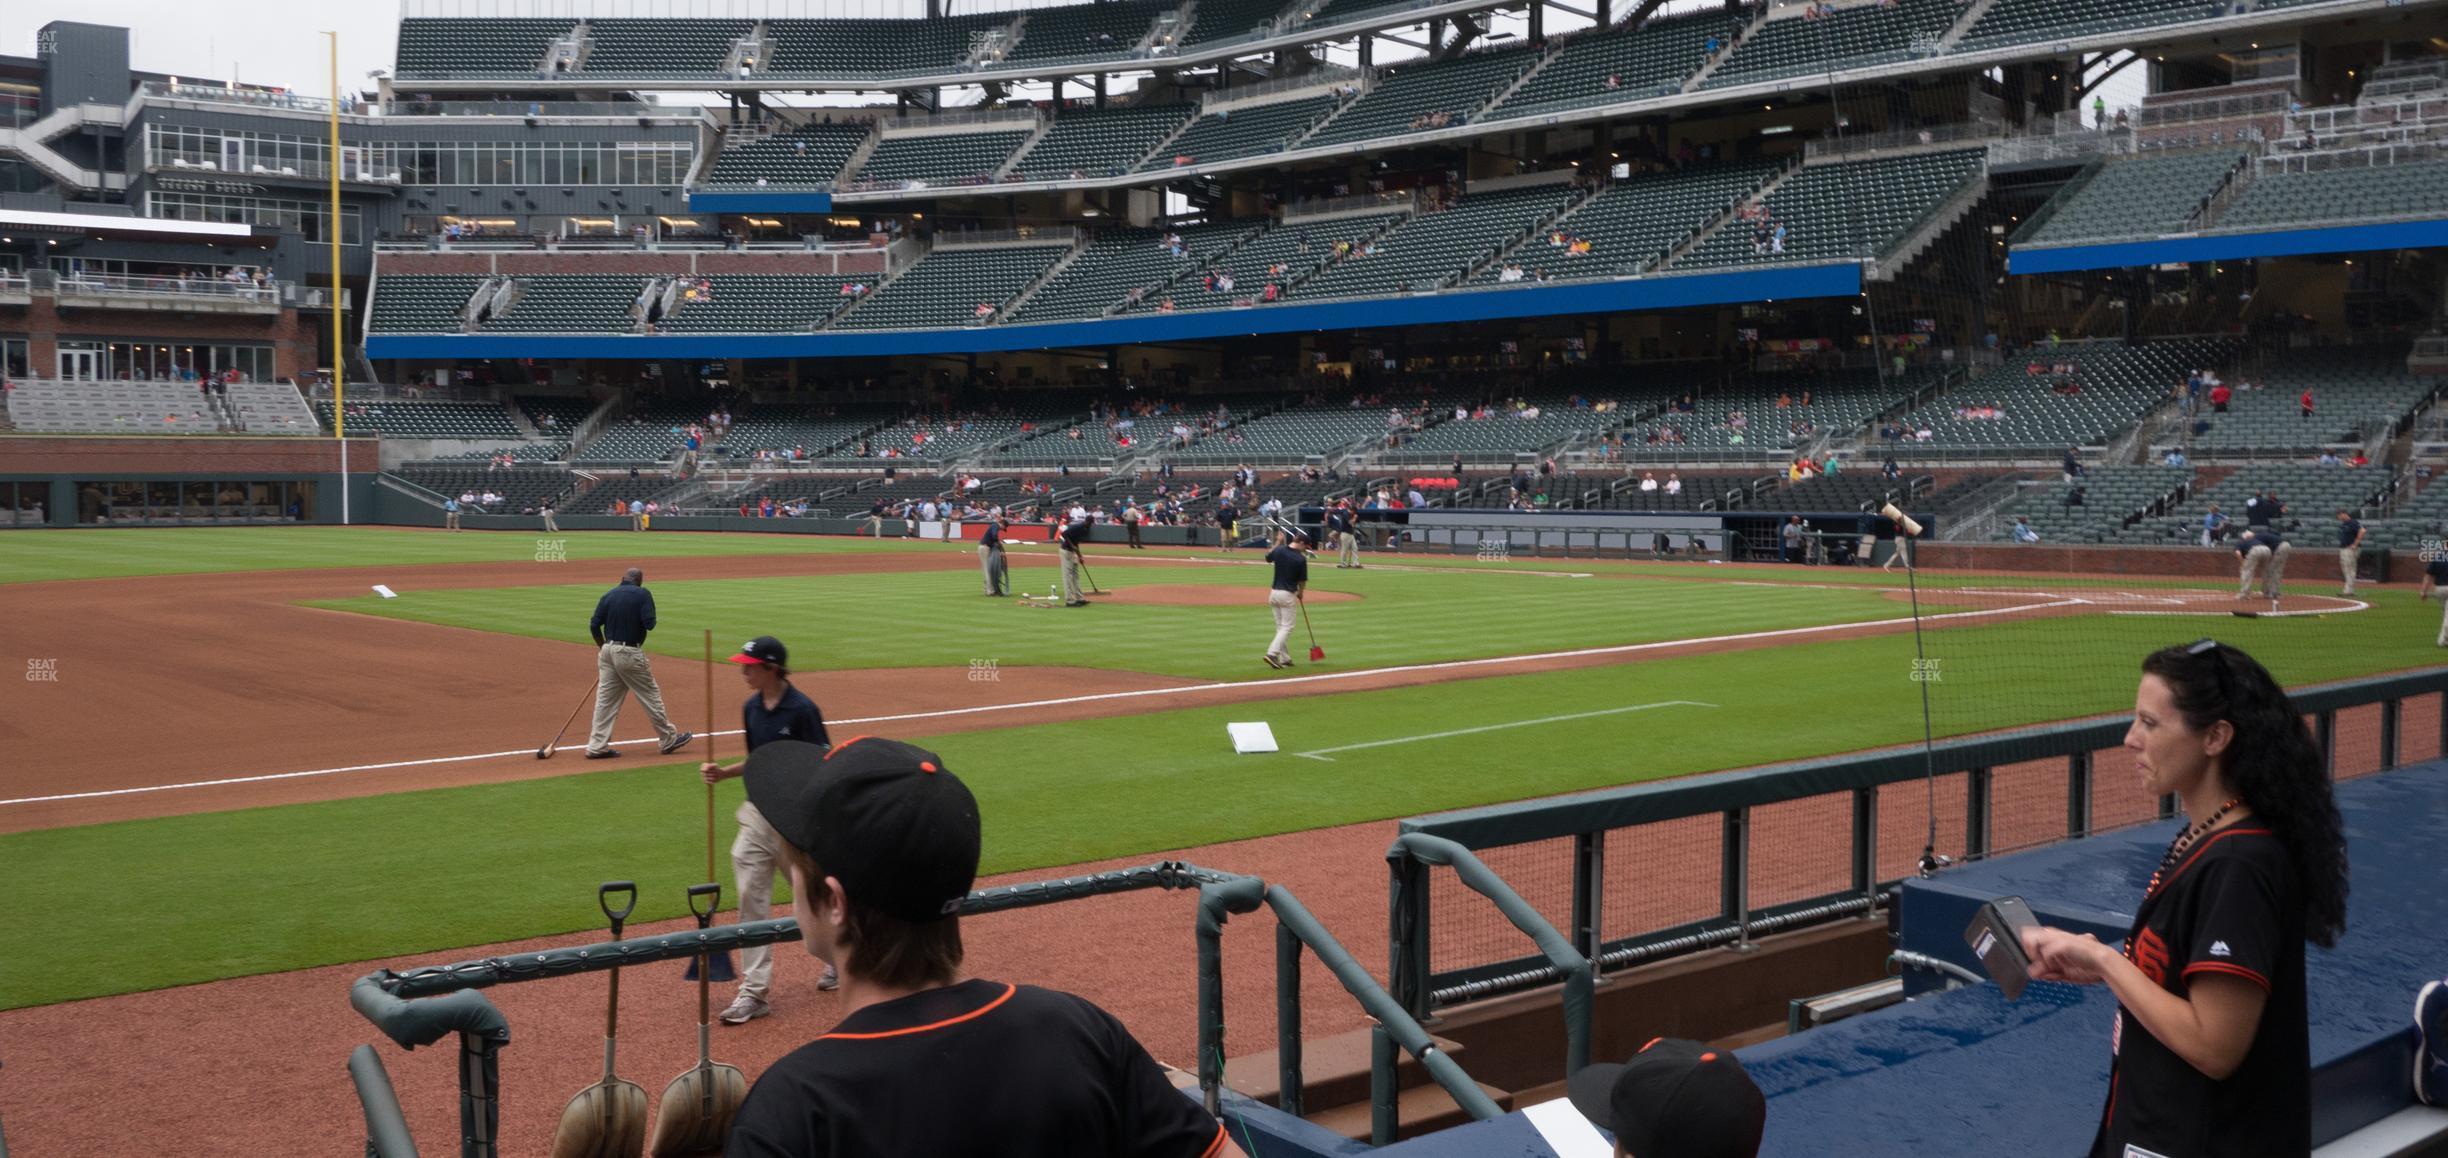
<point x="421" y="1006"/>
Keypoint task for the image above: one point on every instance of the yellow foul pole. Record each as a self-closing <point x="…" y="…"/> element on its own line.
<point x="331" y="229"/>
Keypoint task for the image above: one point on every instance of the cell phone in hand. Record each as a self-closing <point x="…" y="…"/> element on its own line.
<point x="1996" y="937"/>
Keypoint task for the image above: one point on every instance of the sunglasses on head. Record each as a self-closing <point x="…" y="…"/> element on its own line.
<point x="2218" y="664"/>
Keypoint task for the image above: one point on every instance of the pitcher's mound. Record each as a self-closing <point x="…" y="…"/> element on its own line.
<point x="1197" y="595"/>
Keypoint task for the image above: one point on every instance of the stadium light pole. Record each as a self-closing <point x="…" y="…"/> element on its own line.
<point x="339" y="351"/>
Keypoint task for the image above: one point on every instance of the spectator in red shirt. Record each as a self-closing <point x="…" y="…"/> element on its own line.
<point x="2220" y="396"/>
<point x="2306" y="402"/>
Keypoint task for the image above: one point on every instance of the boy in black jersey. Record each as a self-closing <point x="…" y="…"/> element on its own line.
<point x="882" y="844"/>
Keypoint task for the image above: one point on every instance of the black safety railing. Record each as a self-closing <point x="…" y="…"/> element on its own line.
<point x="1626" y="815"/>
<point x="420" y="1006"/>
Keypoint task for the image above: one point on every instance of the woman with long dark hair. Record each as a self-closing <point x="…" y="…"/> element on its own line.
<point x="2212" y="1052"/>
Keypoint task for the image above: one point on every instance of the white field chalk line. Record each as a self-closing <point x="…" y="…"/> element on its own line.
<point x="1229" y="685"/>
<point x="1320" y="753"/>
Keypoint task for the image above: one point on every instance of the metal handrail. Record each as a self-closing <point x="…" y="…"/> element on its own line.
<point x="420" y="1006"/>
<point x="1410" y="855"/>
<point x="1586" y="818"/>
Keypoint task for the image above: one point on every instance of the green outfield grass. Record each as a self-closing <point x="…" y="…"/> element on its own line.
<point x="410" y="877"/>
<point x="940" y="619"/>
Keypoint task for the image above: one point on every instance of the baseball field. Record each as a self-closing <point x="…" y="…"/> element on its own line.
<point x="239" y="775"/>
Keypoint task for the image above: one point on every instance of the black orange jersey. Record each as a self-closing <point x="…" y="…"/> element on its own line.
<point x="981" y="1068"/>
<point x="2230" y="906"/>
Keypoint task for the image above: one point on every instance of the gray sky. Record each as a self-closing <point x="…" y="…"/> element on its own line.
<point x="279" y="42"/>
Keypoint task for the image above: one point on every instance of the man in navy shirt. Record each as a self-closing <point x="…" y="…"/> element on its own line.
<point x="2350" y="548"/>
<point x="2261" y="551"/>
<point x="991" y="561"/>
<point x="622" y="618"/>
<point x="775" y="711"/>
<point x="1225" y="516"/>
<point x="1290" y="583"/>
<point x="1339" y="523"/>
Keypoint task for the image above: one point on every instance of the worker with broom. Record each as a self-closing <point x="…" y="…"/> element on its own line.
<point x="881" y="841"/>
<point x="1291" y="580"/>
<point x="775" y="710"/>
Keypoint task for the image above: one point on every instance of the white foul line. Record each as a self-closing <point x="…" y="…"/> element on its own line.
<point x="1320" y="753"/>
<point x="1224" y="685"/>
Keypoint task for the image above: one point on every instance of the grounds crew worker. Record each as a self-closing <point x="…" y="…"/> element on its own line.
<point x="990" y="559"/>
<point x="1291" y="580"/>
<point x="1131" y="518"/>
<point x="1347" y="543"/>
<point x="775" y="711"/>
<point x="881" y="841"/>
<point x="1225" y="517"/>
<point x="1074" y="532"/>
<point x="622" y="618"/>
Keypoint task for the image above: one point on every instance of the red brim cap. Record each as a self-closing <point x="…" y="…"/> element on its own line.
<point x="744" y="658"/>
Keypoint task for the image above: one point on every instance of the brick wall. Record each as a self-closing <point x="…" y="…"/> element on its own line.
<point x="176" y="454"/>
<point x="292" y="338"/>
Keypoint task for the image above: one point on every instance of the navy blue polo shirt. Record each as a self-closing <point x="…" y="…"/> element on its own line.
<point x="624" y="615"/>
<point x="2437" y="569"/>
<point x="992" y="537"/>
<point x="1291" y="567"/>
<point x="794" y="717"/>
<point x="2348" y="530"/>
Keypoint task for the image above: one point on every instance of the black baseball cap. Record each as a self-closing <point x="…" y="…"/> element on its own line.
<point x="887" y="819"/>
<point x="763" y="649"/>
<point x="1674" y="1099"/>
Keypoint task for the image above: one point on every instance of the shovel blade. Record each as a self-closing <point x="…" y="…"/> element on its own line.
<point x="1316" y="653"/>
<point x="718" y="968"/>
<point x="604" y="1120"/>
<point x="697" y="1110"/>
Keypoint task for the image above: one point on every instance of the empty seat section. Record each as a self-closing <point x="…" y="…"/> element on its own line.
<point x="759" y="303"/>
<point x="808" y="156"/>
<point x="2417" y="190"/>
<point x="1849" y="37"/>
<point x="2028" y="406"/>
<point x="572" y="303"/>
<point x="1242" y="130"/>
<point x="1100" y="142"/>
<point x="873" y="47"/>
<point x="1433" y="249"/>
<point x="401" y="418"/>
<point x="2021" y="21"/>
<point x="1631" y="224"/>
<point x="630" y="47"/>
<point x="1085" y="31"/>
<point x="1858" y="209"/>
<point x="1290" y="434"/>
<point x="435" y="47"/>
<point x="521" y="490"/>
<point x="1215" y="20"/>
<point x="939" y="158"/>
<point x="1119" y="261"/>
<point x="1412" y="97"/>
<point x="1641" y="60"/>
<point x="2137" y="197"/>
<point x="947" y="287"/>
<point x="420" y="303"/>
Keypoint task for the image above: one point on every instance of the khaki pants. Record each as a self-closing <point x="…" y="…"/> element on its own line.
<point x="2275" y="573"/>
<point x="1133" y="526"/>
<point x="2347" y="558"/>
<point x="549" y="524"/>
<point x="637" y="522"/>
<point x="1224" y="531"/>
<point x="450" y="520"/>
<point x="621" y="669"/>
<point x="1347" y="548"/>
<point x="1285" y="606"/>
<point x="875" y="525"/>
<point x="998" y="574"/>
<point x="756" y="855"/>
<point x="2254" y="561"/>
<point x="1071" y="576"/>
